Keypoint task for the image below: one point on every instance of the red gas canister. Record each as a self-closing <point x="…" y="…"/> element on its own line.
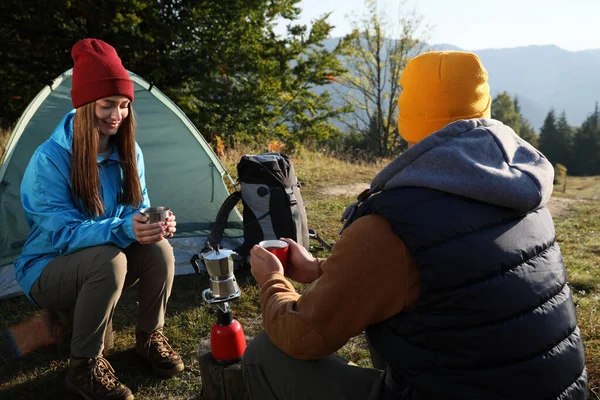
<point x="227" y="340"/>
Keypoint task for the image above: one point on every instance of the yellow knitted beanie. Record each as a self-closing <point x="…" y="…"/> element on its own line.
<point x="438" y="88"/>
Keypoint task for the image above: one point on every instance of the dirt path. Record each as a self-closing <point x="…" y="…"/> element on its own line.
<point x="352" y="189"/>
<point x="558" y="206"/>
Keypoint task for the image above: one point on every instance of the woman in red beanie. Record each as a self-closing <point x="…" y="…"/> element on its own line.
<point x="82" y="192"/>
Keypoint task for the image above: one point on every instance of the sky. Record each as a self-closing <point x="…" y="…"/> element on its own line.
<point x="478" y="24"/>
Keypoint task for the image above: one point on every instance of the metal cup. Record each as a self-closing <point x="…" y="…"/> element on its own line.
<point x="155" y="214"/>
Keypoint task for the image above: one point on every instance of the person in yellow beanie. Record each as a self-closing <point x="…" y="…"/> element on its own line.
<point x="440" y="88"/>
<point x="449" y="262"/>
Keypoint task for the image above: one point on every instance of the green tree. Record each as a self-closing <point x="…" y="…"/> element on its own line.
<point x="565" y="137"/>
<point x="508" y="110"/>
<point x="299" y="112"/>
<point x="375" y="64"/>
<point x="220" y="61"/>
<point x="556" y="139"/>
<point x="527" y="133"/>
<point x="586" y="146"/>
<point x="549" y="143"/>
<point x="504" y="109"/>
<point x="42" y="34"/>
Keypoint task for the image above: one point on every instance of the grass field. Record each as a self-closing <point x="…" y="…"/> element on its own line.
<point x="579" y="187"/>
<point x="40" y="375"/>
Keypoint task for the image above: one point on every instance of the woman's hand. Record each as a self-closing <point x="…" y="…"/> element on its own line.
<point x="152" y="233"/>
<point x="171" y="225"/>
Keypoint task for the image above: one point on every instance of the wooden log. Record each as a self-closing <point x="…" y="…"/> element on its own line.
<point x="222" y="382"/>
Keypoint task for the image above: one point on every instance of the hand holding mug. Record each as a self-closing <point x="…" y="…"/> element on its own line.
<point x="171" y="225"/>
<point x="154" y="223"/>
<point x="263" y="264"/>
<point x="279" y="248"/>
<point x="146" y="232"/>
<point x="302" y="266"/>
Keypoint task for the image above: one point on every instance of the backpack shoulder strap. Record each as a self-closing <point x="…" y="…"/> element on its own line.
<point x="216" y="233"/>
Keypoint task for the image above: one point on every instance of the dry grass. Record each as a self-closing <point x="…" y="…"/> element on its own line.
<point x="579" y="187"/>
<point x="578" y="232"/>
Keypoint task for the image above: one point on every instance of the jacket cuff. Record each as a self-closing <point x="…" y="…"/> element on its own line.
<point x="276" y="276"/>
<point x="276" y="279"/>
<point x="127" y="227"/>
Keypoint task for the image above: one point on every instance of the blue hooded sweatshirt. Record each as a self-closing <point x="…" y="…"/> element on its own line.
<point x="58" y="222"/>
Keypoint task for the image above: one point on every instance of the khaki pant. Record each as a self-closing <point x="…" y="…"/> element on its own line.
<point x="90" y="282"/>
<point x="273" y="375"/>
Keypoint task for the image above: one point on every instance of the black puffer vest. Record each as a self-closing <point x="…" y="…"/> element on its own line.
<point x="495" y="318"/>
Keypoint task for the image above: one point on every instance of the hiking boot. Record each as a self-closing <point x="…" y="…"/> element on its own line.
<point x="155" y="348"/>
<point x="95" y="379"/>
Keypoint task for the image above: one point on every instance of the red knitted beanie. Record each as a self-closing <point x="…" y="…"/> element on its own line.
<point x="97" y="73"/>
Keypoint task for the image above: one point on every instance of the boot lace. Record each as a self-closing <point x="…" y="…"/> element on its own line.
<point x="157" y="340"/>
<point x="102" y="372"/>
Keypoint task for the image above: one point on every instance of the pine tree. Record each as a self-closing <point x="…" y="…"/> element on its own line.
<point x="527" y="133"/>
<point x="550" y="144"/>
<point x="508" y="111"/>
<point x="586" y="146"/>
<point x="504" y="109"/>
<point x="565" y="139"/>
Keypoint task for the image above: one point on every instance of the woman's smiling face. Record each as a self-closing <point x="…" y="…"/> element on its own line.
<point x="110" y="112"/>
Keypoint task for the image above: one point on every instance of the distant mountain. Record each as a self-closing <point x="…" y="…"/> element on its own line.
<point x="545" y="77"/>
<point x="444" y="46"/>
<point x="542" y="77"/>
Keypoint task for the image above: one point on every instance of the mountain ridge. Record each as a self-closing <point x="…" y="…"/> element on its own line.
<point x="543" y="77"/>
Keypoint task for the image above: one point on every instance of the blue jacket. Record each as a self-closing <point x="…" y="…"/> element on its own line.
<point x="58" y="222"/>
<point x="495" y="318"/>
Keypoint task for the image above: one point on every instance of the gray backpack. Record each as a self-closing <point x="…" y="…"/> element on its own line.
<point x="272" y="204"/>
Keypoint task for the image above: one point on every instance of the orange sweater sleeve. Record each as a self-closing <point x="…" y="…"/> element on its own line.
<point x="369" y="277"/>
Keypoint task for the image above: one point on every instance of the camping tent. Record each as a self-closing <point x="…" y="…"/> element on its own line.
<point x="182" y="172"/>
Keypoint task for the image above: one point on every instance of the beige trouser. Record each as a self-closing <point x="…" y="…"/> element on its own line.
<point x="273" y="375"/>
<point x="90" y="282"/>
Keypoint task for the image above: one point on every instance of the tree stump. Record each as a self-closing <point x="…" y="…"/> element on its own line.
<point x="222" y="382"/>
